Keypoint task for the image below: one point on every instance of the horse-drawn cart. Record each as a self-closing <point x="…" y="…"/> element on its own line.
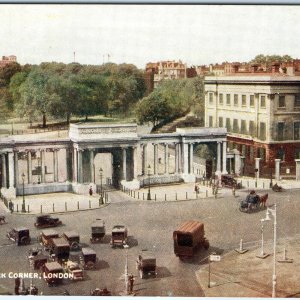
<point x="253" y="202"/>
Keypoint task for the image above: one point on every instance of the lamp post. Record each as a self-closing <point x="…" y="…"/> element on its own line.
<point x="271" y="178"/>
<point x="149" y="193"/>
<point x="39" y="171"/>
<point x="273" y="212"/>
<point x="262" y="253"/>
<point x="101" y="176"/>
<point x="23" y="204"/>
<point x="126" y="271"/>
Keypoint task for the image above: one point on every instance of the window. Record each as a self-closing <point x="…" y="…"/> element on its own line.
<point x="281" y="154"/>
<point x="251" y="128"/>
<point x="251" y="100"/>
<point x="262" y="131"/>
<point x="244" y="100"/>
<point x="251" y="153"/>
<point x="243" y="127"/>
<point x="263" y="101"/>
<point x="243" y="150"/>
<point x="236" y="100"/>
<point x="262" y="153"/>
<point x="297" y="101"/>
<point x="281" y="101"/>
<point x="235" y="126"/>
<point x="221" y="99"/>
<point x="296" y="130"/>
<point x="228" y="100"/>
<point x="210" y="121"/>
<point x="228" y="124"/>
<point x="220" y="122"/>
<point x="211" y="98"/>
<point x="280" y="131"/>
<point x="297" y="153"/>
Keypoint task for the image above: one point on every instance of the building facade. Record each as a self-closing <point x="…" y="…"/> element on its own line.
<point x="262" y="115"/>
<point x="7" y="60"/>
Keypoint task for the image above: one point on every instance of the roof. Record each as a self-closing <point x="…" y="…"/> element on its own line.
<point x="98" y="223"/>
<point x="49" y="232"/>
<point x="21" y="229"/>
<point x="53" y="266"/>
<point x="88" y="251"/>
<point x="190" y="226"/>
<point x="71" y="234"/>
<point x="119" y="228"/>
<point x="60" y="242"/>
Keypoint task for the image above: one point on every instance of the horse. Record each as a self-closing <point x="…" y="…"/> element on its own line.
<point x="263" y="199"/>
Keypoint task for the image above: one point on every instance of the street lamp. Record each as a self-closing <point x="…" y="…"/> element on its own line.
<point x="149" y="194"/>
<point x="273" y="212"/>
<point x="262" y="253"/>
<point x="23" y="204"/>
<point x="271" y="178"/>
<point x="126" y="271"/>
<point x="101" y="176"/>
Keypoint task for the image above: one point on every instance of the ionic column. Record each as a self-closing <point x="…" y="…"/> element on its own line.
<point x="185" y="158"/>
<point x="135" y="164"/>
<point x="92" y="174"/>
<point x="55" y="165"/>
<point x="191" y="158"/>
<point x="176" y="158"/>
<point x="218" y="157"/>
<point x="42" y="156"/>
<point x="16" y="168"/>
<point x="75" y="169"/>
<point x="4" y="182"/>
<point x="179" y="158"/>
<point x="166" y="159"/>
<point x="224" y="168"/>
<point x="155" y="159"/>
<point x="29" y="167"/>
<point x="124" y="165"/>
<point x="68" y="163"/>
<point x="80" y="177"/>
<point x="11" y="170"/>
<point x="277" y="169"/>
<point x="144" y="171"/>
<point x="297" y="169"/>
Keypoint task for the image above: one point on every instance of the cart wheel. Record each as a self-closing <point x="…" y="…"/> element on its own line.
<point x="90" y="265"/>
<point x="141" y="274"/>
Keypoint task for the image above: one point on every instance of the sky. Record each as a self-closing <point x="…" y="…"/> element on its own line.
<point x="138" y="34"/>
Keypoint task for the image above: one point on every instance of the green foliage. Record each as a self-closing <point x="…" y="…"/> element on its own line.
<point x="172" y="99"/>
<point x="269" y="59"/>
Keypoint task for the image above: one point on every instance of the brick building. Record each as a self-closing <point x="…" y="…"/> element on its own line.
<point x="7" y="60"/>
<point x="261" y="112"/>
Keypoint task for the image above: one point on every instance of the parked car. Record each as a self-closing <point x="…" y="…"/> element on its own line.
<point x="59" y="249"/>
<point x="53" y="273"/>
<point x="44" y="221"/>
<point x="19" y="235"/>
<point x="146" y="264"/>
<point x="118" y="236"/>
<point x="188" y="238"/>
<point x="38" y="261"/>
<point x="73" y="239"/>
<point x="228" y="180"/>
<point x="98" y="231"/>
<point x="88" y="258"/>
<point x="74" y="269"/>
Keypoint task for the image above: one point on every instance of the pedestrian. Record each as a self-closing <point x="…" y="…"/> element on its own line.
<point x="91" y="191"/>
<point x="11" y="206"/>
<point x="17" y="286"/>
<point x="131" y="281"/>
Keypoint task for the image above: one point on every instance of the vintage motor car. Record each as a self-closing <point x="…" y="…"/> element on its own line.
<point x="188" y="238"/>
<point x="88" y="258"/>
<point x="118" y="236"/>
<point x="53" y="273"/>
<point x="228" y="180"/>
<point x="44" y="221"/>
<point x="100" y="292"/>
<point x="98" y="231"/>
<point x="146" y="264"/>
<point x="59" y="249"/>
<point x="34" y="252"/>
<point x="46" y="237"/>
<point x="74" y="269"/>
<point x="19" y="235"/>
<point x="73" y="239"/>
<point x="38" y="261"/>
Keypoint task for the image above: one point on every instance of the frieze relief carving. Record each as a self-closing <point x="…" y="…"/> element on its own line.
<point x="107" y="130"/>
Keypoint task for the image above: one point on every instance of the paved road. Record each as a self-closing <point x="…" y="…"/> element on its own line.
<point x="150" y="226"/>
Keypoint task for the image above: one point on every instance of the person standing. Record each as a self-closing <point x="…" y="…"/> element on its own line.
<point x="131" y="281"/>
<point x="17" y="286"/>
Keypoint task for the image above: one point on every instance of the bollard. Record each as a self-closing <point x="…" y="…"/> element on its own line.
<point x="143" y="197"/>
<point x="255" y="184"/>
<point x="196" y="195"/>
<point x="138" y="195"/>
<point x="186" y="195"/>
<point x="28" y="208"/>
<point x="165" y="197"/>
<point x="155" y="197"/>
<point x="133" y="194"/>
<point x="263" y="184"/>
<point x="41" y="209"/>
<point x="53" y="207"/>
<point x="248" y="183"/>
<point x="241" y="250"/>
<point x="66" y="208"/>
<point x="206" y="193"/>
<point x="89" y="203"/>
<point x="176" y="196"/>
<point x="78" y="204"/>
<point x="17" y="208"/>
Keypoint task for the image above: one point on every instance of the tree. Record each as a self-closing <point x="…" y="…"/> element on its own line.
<point x="7" y="72"/>
<point x="269" y="59"/>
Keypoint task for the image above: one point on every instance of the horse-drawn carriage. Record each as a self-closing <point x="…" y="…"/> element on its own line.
<point x="253" y="202"/>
